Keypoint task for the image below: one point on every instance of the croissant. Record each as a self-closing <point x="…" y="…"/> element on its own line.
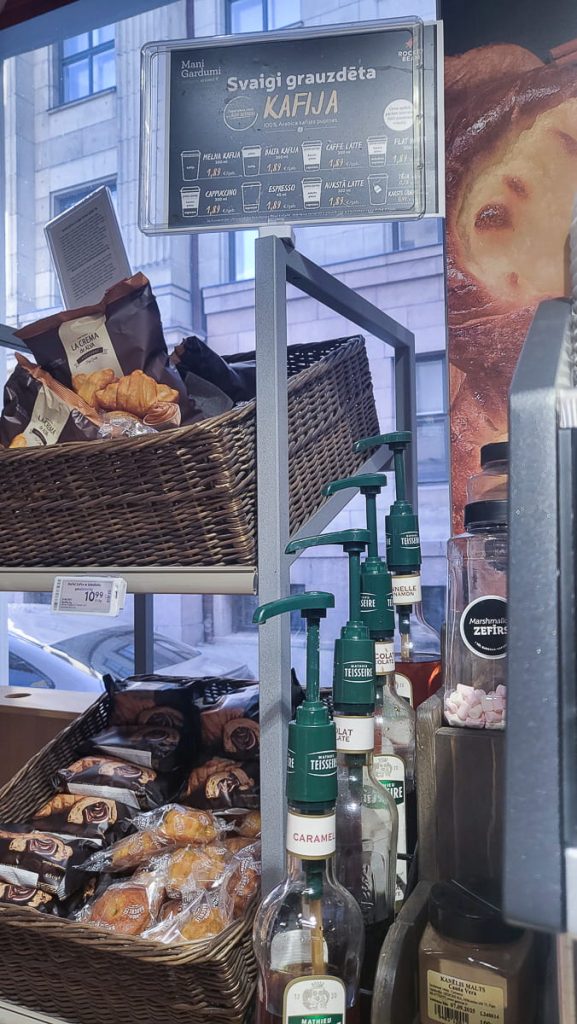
<point x="87" y="384"/>
<point x="135" y="393"/>
<point x="18" y="442"/>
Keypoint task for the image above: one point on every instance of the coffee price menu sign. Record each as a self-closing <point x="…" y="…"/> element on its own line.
<point x="287" y="129"/>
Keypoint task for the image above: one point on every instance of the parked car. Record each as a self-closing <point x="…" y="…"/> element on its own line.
<point x="79" y="662"/>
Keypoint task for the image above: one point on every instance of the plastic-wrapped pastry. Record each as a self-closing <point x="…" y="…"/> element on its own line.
<point x="26" y="896"/>
<point x="153" y="746"/>
<point x="241" y="882"/>
<point x="127" y="908"/>
<point x="93" y="817"/>
<point x="218" y="728"/>
<point x="221" y="783"/>
<point x="111" y="778"/>
<point x="42" y="859"/>
<point x="193" y="868"/>
<point x="181" y="826"/>
<point x="153" y="700"/>
<point x="236" y="843"/>
<point x="241" y="822"/>
<point x="202" y="918"/>
<point x="87" y="384"/>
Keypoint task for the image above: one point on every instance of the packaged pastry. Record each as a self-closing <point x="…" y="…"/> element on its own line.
<point x="200" y="919"/>
<point x="113" y="354"/>
<point x="126" y="908"/>
<point x="242" y="822"/>
<point x="153" y="746"/>
<point x="234" y="844"/>
<point x="221" y="783"/>
<point x="192" y="868"/>
<point x="26" y="896"/>
<point x="93" y="817"/>
<point x="42" y="860"/>
<point x="241" y="882"/>
<point x="39" y="410"/>
<point x="231" y="725"/>
<point x="112" y="778"/>
<point x="181" y="826"/>
<point x="159" y="831"/>
<point x="153" y="700"/>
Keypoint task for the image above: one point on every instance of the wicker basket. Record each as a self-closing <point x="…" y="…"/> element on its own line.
<point x="186" y="496"/>
<point x="87" y="976"/>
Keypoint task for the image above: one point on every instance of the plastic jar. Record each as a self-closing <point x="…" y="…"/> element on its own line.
<point x="476" y="632"/>
<point x="491" y="483"/>
<point x="473" y="967"/>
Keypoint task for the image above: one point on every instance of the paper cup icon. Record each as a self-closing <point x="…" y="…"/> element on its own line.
<point x="251" y="196"/>
<point x="378" y="189"/>
<point x="190" y="160"/>
<point x="312" y="152"/>
<point x="312" y="188"/>
<point x="251" y="160"/>
<point x="377" y="147"/>
<point x="190" y="201"/>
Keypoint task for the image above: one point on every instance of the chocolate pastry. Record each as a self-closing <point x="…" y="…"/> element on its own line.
<point x="138" y="699"/>
<point x="241" y="704"/>
<point x="241" y="737"/>
<point x="111" y="778"/>
<point x="156" y="746"/>
<point x="93" y="817"/>
<point x="511" y="171"/>
<point x="42" y="860"/>
<point x="221" y="783"/>
<point x="25" y="896"/>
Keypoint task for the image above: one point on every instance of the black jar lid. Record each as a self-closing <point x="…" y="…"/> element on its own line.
<point x="486" y="513"/>
<point x="497" y="451"/>
<point x="469" y="912"/>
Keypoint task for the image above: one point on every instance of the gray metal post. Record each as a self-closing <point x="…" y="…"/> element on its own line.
<point x="273" y="535"/>
<point x="406" y="411"/>
<point x="143" y="634"/>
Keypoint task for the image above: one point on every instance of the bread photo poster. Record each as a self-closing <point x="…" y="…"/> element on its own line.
<point x="511" y="166"/>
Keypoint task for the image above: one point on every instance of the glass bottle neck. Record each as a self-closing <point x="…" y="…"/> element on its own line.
<point x="310" y="871"/>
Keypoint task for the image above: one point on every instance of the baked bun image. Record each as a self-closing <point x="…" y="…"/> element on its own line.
<point x="511" y="171"/>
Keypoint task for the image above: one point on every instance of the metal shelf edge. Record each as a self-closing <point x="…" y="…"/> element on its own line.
<point x="214" y="579"/>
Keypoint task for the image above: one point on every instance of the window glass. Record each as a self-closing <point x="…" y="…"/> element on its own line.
<point x="103" y="71"/>
<point x="244" y="254"/>
<point x="64" y="200"/>
<point x="433" y="456"/>
<point x="283" y="12"/>
<point x="430" y="385"/>
<point x="76" y="44"/>
<point x="419" y="232"/>
<point x="246" y="16"/>
<point x="103" y="35"/>
<point x="76" y="80"/>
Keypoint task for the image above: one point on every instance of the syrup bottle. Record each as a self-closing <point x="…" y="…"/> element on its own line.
<point x="418" y="658"/>
<point x="308" y="932"/>
<point x="366" y="815"/>
<point x="394" y="745"/>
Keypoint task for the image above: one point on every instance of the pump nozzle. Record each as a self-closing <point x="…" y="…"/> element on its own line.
<point x="376" y="587"/>
<point x="353" y="542"/>
<point x="353" y="678"/>
<point x="402" y="525"/>
<point x="311" y="772"/>
<point x="369" y="484"/>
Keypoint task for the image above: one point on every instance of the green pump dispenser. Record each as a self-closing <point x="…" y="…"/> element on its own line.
<point x="402" y="525"/>
<point x="354" y="678"/>
<point x="377" y="609"/>
<point x="311" y="766"/>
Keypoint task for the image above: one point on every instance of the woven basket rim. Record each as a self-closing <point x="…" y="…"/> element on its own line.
<point x="204" y="428"/>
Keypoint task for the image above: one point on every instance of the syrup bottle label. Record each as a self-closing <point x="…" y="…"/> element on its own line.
<point x="311" y="838"/>
<point x="384" y="657"/>
<point x="404" y="687"/>
<point x="311" y="1000"/>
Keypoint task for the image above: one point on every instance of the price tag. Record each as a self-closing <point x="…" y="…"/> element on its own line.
<point x="88" y="595"/>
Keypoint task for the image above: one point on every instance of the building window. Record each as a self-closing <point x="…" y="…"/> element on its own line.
<point x="432" y="426"/>
<point x="86" y="64"/>
<point x="260" y="15"/>
<point x="62" y="201"/>
<point x="411" y="234"/>
<point x="241" y="254"/>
